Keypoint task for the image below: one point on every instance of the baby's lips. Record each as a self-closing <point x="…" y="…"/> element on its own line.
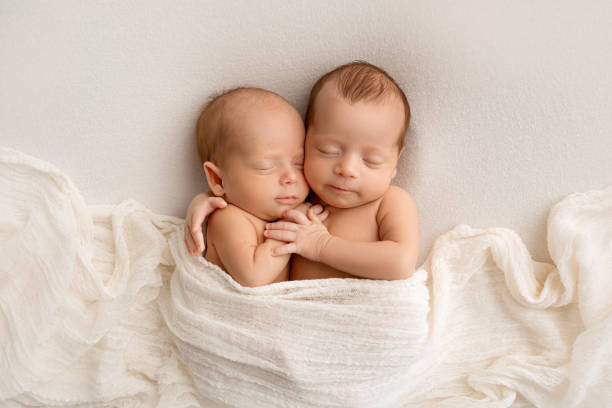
<point x="286" y="199"/>
<point x="341" y="189"/>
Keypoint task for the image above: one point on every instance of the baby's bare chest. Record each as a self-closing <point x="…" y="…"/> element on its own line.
<point x="355" y="224"/>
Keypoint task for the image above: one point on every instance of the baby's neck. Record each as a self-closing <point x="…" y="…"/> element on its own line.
<point x="314" y="199"/>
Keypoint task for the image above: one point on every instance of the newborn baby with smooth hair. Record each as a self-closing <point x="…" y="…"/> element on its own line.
<point x="251" y="145"/>
<point x="356" y="120"/>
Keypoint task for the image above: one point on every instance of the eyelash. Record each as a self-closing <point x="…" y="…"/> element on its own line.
<point x="299" y="165"/>
<point x="334" y="154"/>
<point x="373" y="164"/>
<point x="265" y="170"/>
<point x="329" y="154"/>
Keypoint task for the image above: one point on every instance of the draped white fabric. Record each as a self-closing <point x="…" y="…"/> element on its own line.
<point x="102" y="306"/>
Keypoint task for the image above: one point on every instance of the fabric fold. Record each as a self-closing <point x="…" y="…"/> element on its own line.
<point x="102" y="306"/>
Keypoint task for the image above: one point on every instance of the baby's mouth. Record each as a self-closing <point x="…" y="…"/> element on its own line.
<point x="290" y="199"/>
<point x="340" y="189"/>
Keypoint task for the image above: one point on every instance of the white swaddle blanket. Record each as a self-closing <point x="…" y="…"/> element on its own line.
<point x="309" y="343"/>
<point x="102" y="306"/>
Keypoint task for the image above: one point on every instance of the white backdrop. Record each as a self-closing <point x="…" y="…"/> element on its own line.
<point x="511" y="101"/>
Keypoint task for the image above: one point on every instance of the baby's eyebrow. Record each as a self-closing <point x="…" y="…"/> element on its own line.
<point x="374" y="150"/>
<point x="377" y="150"/>
<point x="327" y="137"/>
<point x="276" y="157"/>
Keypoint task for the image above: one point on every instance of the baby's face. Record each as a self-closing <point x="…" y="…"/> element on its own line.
<point x="352" y="150"/>
<point x="263" y="170"/>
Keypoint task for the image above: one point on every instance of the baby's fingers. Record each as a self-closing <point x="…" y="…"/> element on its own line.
<point x="189" y="243"/>
<point x="198" y="239"/>
<point x="317" y="209"/>
<point x="202" y="212"/>
<point x="282" y="225"/>
<point x="297" y="217"/>
<point x="317" y="213"/>
<point x="285" y="249"/>
<point x="217" y="202"/>
<point x="280" y="235"/>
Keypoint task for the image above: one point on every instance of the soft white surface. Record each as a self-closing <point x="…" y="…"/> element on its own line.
<point x="511" y="99"/>
<point x="81" y="290"/>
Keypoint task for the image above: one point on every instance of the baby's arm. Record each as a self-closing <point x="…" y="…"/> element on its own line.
<point x="199" y="209"/>
<point x="235" y="240"/>
<point x="394" y="256"/>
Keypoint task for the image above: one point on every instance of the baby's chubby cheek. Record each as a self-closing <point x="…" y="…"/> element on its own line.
<point x="311" y="175"/>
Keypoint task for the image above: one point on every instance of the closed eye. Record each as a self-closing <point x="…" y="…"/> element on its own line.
<point x="263" y="167"/>
<point x="328" y="152"/>
<point x="373" y="163"/>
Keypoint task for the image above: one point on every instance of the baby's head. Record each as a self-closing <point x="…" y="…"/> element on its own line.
<point x="356" y="120"/>
<point x="251" y="145"/>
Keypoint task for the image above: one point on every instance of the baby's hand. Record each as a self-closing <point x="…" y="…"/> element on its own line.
<point x="306" y="234"/>
<point x="199" y="209"/>
<point x="312" y="211"/>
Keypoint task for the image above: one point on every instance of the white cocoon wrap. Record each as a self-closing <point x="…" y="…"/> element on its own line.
<point x="307" y="343"/>
<point x="102" y="306"/>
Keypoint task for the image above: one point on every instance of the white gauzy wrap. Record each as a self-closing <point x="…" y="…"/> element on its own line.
<point x="102" y="306"/>
<point x="307" y="343"/>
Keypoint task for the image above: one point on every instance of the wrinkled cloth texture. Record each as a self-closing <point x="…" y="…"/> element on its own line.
<point x="102" y="306"/>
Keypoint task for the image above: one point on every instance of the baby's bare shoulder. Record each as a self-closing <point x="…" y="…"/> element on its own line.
<point x="231" y="217"/>
<point x="227" y="213"/>
<point x="396" y="197"/>
<point x="396" y="206"/>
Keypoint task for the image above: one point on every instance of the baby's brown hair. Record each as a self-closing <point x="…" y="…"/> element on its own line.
<point x="215" y="124"/>
<point x="361" y="81"/>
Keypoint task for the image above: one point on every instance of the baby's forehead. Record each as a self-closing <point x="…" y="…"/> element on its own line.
<point x="247" y="113"/>
<point x="246" y="109"/>
<point x="333" y="89"/>
<point x="330" y="95"/>
<point x="250" y="123"/>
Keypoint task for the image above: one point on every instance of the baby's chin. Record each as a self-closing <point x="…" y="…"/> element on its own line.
<point x="344" y="203"/>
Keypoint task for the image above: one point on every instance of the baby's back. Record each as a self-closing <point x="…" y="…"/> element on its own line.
<point x="355" y="224"/>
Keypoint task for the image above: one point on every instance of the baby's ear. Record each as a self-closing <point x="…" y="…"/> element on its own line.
<point x="214" y="177"/>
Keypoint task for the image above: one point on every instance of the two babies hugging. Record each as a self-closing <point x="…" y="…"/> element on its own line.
<point x="260" y="161"/>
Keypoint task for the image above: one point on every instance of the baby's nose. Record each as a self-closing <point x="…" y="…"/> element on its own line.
<point x="289" y="176"/>
<point x="347" y="167"/>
